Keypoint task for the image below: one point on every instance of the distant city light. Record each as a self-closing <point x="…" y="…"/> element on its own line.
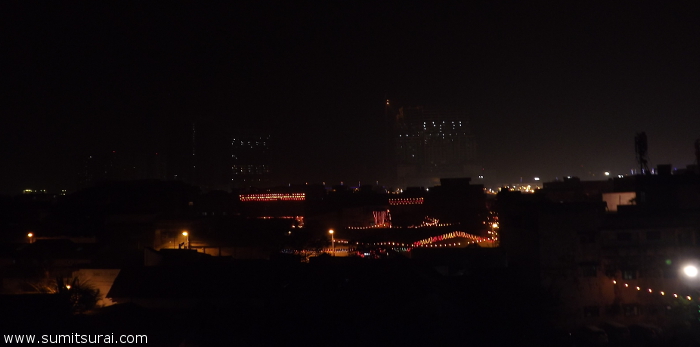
<point x="607" y="173"/>
<point x="274" y="197"/>
<point x="537" y="178"/>
<point x="620" y="176"/>
<point x="407" y="201"/>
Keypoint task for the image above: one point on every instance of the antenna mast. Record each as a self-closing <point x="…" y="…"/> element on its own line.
<point x="640" y="149"/>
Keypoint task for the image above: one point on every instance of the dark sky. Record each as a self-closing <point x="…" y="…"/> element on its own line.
<point x="552" y="90"/>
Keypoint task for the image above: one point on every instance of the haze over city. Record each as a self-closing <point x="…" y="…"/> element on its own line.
<point x="549" y="90"/>
<point x="265" y="173"/>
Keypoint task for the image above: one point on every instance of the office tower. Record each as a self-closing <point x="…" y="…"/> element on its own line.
<point x="431" y="144"/>
<point x="250" y="160"/>
<point x="107" y="166"/>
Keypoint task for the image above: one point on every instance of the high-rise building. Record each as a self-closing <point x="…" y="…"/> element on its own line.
<point x="431" y="144"/>
<point x="250" y="160"/>
<point x="120" y="166"/>
<point x="107" y="166"/>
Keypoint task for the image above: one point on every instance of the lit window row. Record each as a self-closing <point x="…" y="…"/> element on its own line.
<point x="406" y="201"/>
<point x="274" y="197"/>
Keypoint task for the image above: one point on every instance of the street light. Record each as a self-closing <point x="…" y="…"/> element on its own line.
<point x="31" y="237"/>
<point x="332" y="240"/>
<point x="690" y="271"/>
<point x="187" y="239"/>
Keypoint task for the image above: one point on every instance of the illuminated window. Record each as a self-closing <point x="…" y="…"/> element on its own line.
<point x="406" y="201"/>
<point x="274" y="197"/>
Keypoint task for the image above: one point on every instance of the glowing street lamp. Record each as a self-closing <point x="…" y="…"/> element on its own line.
<point x="187" y="239"/>
<point x="332" y="240"/>
<point x="31" y="237"/>
<point x="690" y="271"/>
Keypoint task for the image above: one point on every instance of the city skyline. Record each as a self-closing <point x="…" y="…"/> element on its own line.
<point x="549" y="91"/>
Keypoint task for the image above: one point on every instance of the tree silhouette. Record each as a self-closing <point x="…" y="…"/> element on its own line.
<point x="81" y="295"/>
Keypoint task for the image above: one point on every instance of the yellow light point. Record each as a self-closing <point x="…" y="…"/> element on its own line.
<point x="67" y="286"/>
<point x="675" y="295"/>
<point x="30" y="235"/>
<point x="614" y="282"/>
<point x="662" y="293"/>
<point x="639" y="288"/>
<point x="649" y="290"/>
<point x="689" y="298"/>
<point x="627" y="285"/>
<point x="184" y="233"/>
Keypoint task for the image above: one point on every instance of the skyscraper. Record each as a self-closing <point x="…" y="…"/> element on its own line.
<point x="120" y="166"/>
<point x="431" y="144"/>
<point x="250" y="160"/>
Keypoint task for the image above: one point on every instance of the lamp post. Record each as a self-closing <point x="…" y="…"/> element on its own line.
<point x="31" y="237"/>
<point x="332" y="240"/>
<point x="187" y="239"/>
<point x="691" y="273"/>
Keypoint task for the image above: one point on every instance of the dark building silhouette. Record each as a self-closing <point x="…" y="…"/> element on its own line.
<point x="607" y="251"/>
<point x="121" y="166"/>
<point x="109" y="166"/>
<point x="430" y="144"/>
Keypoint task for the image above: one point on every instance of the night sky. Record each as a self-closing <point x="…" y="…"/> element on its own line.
<point x="551" y="90"/>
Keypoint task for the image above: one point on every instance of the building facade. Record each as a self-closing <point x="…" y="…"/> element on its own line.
<point x="616" y="255"/>
<point x="250" y="160"/>
<point x="431" y="144"/>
